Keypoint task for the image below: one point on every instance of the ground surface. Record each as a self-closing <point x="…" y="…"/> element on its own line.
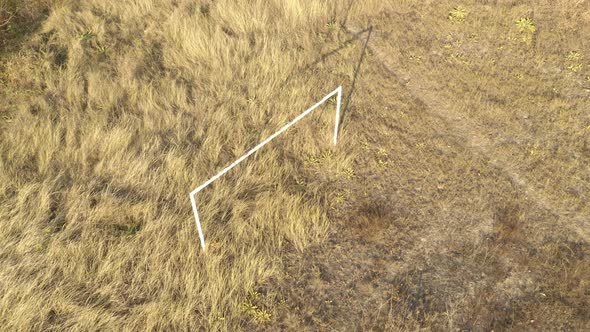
<point x="456" y="199"/>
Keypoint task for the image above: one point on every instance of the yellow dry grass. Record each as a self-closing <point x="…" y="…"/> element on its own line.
<point x="131" y="106"/>
<point x="113" y="111"/>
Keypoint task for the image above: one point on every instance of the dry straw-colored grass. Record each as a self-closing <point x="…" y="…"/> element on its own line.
<point x="129" y="106"/>
<point x="113" y="111"/>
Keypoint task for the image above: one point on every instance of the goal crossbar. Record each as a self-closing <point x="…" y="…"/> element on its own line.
<point x="337" y="92"/>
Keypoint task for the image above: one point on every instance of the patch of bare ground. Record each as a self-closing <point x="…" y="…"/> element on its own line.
<point x="439" y="231"/>
<point x="473" y="134"/>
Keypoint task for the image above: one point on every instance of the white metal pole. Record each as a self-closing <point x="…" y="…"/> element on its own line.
<point x="193" y="193"/>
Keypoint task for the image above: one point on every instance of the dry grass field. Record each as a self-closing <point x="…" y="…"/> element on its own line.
<point x="456" y="199"/>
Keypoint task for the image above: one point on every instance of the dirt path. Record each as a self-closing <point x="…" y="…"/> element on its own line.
<point x="439" y="231"/>
<point x="424" y="91"/>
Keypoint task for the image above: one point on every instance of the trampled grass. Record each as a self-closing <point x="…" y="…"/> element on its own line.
<point x="456" y="197"/>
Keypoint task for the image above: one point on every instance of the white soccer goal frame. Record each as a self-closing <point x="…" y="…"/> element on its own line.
<point x="337" y="92"/>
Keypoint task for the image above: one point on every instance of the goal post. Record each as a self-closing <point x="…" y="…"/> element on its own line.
<point x="337" y="92"/>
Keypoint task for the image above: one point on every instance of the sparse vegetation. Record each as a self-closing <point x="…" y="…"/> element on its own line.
<point x="574" y="56"/>
<point x="574" y="61"/>
<point x="456" y="198"/>
<point x="85" y="35"/>
<point x="259" y="315"/>
<point x="457" y="14"/>
<point x="332" y="25"/>
<point x="526" y="25"/>
<point x="527" y="28"/>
